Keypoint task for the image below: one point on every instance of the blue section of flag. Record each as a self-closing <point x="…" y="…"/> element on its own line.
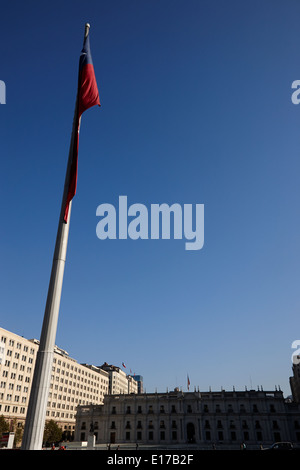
<point x="85" y="56"/>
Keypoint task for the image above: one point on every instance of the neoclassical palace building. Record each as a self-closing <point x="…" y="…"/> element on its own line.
<point x="206" y="419"/>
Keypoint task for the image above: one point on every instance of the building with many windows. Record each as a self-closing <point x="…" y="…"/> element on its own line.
<point x="140" y="381"/>
<point x="119" y="382"/>
<point x="204" y="419"/>
<point x="72" y="384"/>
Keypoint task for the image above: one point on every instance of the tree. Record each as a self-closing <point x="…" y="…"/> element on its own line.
<point x="4" y="426"/>
<point x="18" y="430"/>
<point x="52" y="432"/>
<point x="18" y="435"/>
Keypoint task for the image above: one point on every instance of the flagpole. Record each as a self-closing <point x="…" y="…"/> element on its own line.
<point x="36" y="413"/>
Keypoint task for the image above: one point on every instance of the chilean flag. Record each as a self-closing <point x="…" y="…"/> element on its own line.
<point x="87" y="96"/>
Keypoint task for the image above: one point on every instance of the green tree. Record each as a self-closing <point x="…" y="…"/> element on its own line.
<point x="18" y="430"/>
<point x="18" y="436"/>
<point x="4" y="426"/>
<point x="52" y="432"/>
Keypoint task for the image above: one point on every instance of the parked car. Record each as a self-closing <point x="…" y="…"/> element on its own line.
<point x="281" y="446"/>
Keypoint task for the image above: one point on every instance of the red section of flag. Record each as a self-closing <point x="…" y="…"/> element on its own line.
<point x="87" y="96"/>
<point x="88" y="90"/>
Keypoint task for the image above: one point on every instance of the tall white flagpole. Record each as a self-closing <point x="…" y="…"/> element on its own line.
<point x="36" y="413"/>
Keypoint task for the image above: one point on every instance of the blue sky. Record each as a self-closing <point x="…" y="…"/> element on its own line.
<point x="196" y="109"/>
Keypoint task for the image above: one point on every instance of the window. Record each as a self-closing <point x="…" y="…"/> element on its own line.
<point x="277" y="436"/>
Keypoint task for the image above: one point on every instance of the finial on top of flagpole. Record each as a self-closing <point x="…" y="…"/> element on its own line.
<point x="87" y="28"/>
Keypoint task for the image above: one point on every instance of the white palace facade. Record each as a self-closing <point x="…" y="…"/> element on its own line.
<point x="203" y="419"/>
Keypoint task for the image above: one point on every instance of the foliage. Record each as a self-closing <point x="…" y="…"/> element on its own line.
<point x="4" y="426"/>
<point x="18" y="430"/>
<point x="52" y="432"/>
